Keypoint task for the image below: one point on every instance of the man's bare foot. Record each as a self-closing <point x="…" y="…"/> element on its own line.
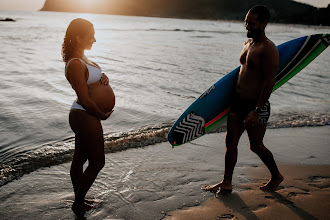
<point x="81" y="207"/>
<point x="272" y="184"/>
<point x="216" y="187"/>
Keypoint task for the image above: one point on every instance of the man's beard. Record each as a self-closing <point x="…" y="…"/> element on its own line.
<point x="253" y="33"/>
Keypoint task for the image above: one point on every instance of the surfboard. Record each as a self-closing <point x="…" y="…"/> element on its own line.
<point x="210" y="110"/>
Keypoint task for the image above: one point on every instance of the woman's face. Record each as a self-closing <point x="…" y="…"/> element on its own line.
<point x="87" y="40"/>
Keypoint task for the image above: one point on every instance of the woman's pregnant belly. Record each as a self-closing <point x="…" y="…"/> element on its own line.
<point x="102" y="95"/>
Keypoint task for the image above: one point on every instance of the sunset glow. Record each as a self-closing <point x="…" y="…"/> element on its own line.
<point x="35" y="5"/>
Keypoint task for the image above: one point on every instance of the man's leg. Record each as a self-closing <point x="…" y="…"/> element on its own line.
<point x="256" y="135"/>
<point x="235" y="130"/>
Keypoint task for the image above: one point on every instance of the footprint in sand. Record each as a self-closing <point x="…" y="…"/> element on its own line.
<point x="281" y="199"/>
<point x="318" y="178"/>
<point x="261" y="206"/>
<point x="320" y="186"/>
<point x="306" y="190"/>
<point x="227" y="216"/>
<point x="321" y="182"/>
<point x="292" y="194"/>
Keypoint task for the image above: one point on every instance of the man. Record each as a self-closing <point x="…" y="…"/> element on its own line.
<point x="250" y="108"/>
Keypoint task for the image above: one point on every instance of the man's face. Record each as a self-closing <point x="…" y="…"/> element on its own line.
<point x="253" y="25"/>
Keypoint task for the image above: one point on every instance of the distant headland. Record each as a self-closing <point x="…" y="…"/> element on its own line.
<point x="282" y="11"/>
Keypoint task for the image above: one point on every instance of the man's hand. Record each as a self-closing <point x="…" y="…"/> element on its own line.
<point x="251" y="119"/>
<point x="104" y="79"/>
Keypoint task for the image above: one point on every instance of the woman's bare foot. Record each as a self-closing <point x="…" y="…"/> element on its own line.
<point x="214" y="188"/>
<point x="81" y="207"/>
<point x="89" y="201"/>
<point x="272" y="184"/>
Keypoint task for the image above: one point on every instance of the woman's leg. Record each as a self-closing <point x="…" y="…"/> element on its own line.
<point x="89" y="145"/>
<point x="76" y="171"/>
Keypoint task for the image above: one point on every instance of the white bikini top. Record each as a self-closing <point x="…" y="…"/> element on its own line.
<point x="95" y="73"/>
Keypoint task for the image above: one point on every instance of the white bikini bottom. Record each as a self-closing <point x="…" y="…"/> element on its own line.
<point x="75" y="105"/>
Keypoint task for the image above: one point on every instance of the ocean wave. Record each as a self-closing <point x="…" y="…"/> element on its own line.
<point x="229" y="31"/>
<point x="61" y="152"/>
<point x="300" y="120"/>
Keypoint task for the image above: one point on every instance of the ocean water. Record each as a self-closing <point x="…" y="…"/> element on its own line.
<point x="157" y="67"/>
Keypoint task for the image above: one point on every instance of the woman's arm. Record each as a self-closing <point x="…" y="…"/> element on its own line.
<point x="77" y="78"/>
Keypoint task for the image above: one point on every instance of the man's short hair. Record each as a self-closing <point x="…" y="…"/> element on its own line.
<point x="262" y="12"/>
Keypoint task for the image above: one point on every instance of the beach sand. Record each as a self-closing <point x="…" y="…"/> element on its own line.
<point x="158" y="182"/>
<point x="305" y="194"/>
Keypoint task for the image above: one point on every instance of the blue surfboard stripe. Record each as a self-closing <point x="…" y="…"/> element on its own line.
<point x="309" y="42"/>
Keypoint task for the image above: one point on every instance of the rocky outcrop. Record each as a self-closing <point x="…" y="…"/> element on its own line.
<point x="7" y="19"/>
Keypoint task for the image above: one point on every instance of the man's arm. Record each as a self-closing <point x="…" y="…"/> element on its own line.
<point x="269" y="64"/>
<point x="269" y="59"/>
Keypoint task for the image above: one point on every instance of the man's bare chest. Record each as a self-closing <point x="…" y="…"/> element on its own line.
<point x="250" y="56"/>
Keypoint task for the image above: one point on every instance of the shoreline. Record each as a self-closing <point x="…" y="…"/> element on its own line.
<point x="157" y="182"/>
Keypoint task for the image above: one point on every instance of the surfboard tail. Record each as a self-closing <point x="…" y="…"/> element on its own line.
<point x="312" y="46"/>
<point x="191" y="127"/>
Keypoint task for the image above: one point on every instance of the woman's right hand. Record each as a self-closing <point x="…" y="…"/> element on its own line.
<point x="104" y="79"/>
<point x="107" y="115"/>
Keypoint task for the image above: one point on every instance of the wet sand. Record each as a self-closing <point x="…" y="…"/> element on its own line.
<point x="305" y="194"/>
<point x="158" y="182"/>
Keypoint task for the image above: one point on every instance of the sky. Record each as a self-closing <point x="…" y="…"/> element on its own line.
<point x="34" y="5"/>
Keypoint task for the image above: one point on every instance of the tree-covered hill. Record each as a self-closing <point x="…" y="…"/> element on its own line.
<point x="282" y="11"/>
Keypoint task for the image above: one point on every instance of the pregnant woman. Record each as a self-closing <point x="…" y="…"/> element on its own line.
<point x="95" y="102"/>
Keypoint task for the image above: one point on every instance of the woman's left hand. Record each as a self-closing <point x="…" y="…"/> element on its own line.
<point x="104" y="79"/>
